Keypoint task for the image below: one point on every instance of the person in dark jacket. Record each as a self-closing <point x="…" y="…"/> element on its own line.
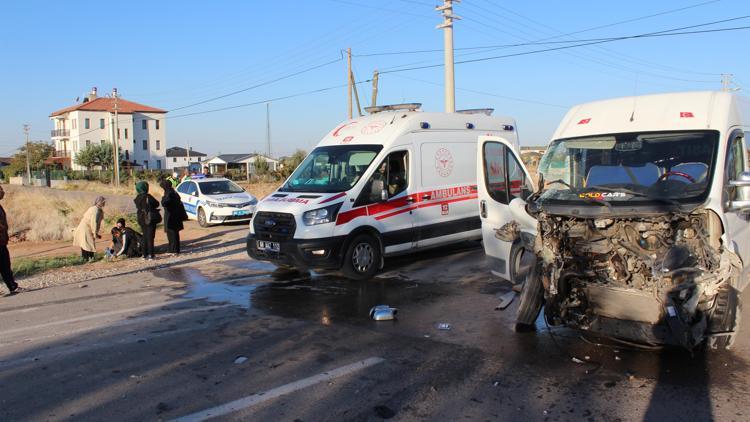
<point x="148" y="217"/>
<point x="174" y="215"/>
<point x="5" y="269"/>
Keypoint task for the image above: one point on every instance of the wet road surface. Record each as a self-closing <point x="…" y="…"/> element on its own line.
<point x="241" y="340"/>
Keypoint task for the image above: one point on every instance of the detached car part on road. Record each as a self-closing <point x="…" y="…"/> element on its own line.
<point x="639" y="225"/>
<point x="216" y="200"/>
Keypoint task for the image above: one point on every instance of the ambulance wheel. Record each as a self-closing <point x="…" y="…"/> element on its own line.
<point x="532" y="299"/>
<point x="515" y="262"/>
<point x="362" y="258"/>
<point x="202" y="218"/>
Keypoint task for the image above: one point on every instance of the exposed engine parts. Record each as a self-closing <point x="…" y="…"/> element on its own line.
<point x="654" y="280"/>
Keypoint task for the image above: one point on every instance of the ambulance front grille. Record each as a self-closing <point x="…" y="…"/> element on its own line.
<point x="274" y="226"/>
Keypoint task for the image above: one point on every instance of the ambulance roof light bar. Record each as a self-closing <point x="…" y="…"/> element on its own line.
<point x="485" y="111"/>
<point x="393" y="107"/>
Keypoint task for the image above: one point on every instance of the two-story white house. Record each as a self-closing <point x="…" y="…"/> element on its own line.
<point x="141" y="130"/>
<point x="181" y="158"/>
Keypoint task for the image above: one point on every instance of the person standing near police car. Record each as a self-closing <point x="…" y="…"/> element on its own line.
<point x="147" y="211"/>
<point x="5" y="268"/>
<point x="174" y="215"/>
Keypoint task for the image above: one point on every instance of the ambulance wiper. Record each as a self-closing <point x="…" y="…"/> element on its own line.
<point x="560" y="181"/>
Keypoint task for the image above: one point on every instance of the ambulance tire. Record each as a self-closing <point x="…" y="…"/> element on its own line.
<point x="532" y="299"/>
<point x="362" y="258"/>
<point x="202" y="218"/>
<point x="516" y="256"/>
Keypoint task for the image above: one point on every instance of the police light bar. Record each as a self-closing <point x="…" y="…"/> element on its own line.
<point x="393" y="107"/>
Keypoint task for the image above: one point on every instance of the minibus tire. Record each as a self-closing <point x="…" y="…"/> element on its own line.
<point x="516" y="254"/>
<point x="532" y="299"/>
<point x="201" y="216"/>
<point x="362" y="258"/>
<point x="725" y="316"/>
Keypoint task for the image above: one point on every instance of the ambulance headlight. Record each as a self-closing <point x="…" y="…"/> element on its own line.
<point x="321" y="215"/>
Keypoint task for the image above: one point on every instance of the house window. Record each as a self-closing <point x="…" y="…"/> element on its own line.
<point x="158" y="144"/>
<point x="158" y="164"/>
<point x="126" y="133"/>
<point x="144" y="124"/>
<point x="174" y="159"/>
<point x="118" y="134"/>
<point x="157" y="125"/>
<point x="86" y="124"/>
<point x="101" y="123"/>
<point x="199" y="159"/>
<point x="75" y="123"/>
<point x="101" y="142"/>
<point x="145" y="143"/>
<point x="145" y="164"/>
<point x="127" y="155"/>
<point x="88" y="142"/>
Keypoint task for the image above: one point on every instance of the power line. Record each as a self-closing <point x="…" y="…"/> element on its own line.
<point x="524" y="53"/>
<point x="268" y="100"/>
<point x="281" y="78"/>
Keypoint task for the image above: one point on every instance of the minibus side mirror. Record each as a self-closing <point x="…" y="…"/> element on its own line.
<point x="383" y="195"/>
<point x="742" y="186"/>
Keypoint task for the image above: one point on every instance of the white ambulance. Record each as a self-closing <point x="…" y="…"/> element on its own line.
<point x="391" y="182"/>
<point x="640" y="228"/>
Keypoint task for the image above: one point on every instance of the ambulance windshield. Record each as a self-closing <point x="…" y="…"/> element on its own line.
<point x="630" y="167"/>
<point x="332" y="169"/>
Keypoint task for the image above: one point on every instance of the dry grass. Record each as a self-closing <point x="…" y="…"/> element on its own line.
<point x="260" y="189"/>
<point x="102" y="188"/>
<point x="45" y="214"/>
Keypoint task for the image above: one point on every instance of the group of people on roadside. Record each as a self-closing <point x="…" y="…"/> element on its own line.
<point x="127" y="242"/>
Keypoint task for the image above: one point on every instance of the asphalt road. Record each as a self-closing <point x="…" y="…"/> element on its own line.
<point x="238" y="340"/>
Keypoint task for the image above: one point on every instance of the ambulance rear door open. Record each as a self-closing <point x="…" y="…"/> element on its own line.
<point x="503" y="184"/>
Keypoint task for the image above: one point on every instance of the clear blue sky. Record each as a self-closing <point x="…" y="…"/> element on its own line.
<point x="169" y="54"/>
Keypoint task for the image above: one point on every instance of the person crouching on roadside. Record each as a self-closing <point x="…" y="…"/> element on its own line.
<point x="5" y="269"/>
<point x="174" y="215"/>
<point x="131" y="240"/>
<point x="88" y="229"/>
<point x="148" y="217"/>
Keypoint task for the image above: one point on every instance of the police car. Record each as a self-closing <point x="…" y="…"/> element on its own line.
<point x="216" y="200"/>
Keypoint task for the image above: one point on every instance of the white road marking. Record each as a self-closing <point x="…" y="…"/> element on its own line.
<point x="94" y="316"/>
<point x="254" y="399"/>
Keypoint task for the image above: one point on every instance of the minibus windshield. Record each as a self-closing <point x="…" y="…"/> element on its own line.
<point x="331" y="169"/>
<point x="625" y="168"/>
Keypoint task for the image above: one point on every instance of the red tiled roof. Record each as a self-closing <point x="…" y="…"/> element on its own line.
<point x="108" y="104"/>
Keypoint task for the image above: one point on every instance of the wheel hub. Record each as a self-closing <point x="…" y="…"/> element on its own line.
<point x="362" y="257"/>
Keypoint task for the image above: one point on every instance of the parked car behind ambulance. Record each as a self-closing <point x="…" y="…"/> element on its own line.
<point x="391" y="182"/>
<point x="640" y="229"/>
<point x="215" y="200"/>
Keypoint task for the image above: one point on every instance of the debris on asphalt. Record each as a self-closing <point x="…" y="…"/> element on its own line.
<point x="383" y="313"/>
<point x="240" y="360"/>
<point x="505" y="300"/>
<point x="576" y="360"/>
<point x="443" y="326"/>
<point x="496" y="383"/>
<point x="83" y="286"/>
<point x="617" y="357"/>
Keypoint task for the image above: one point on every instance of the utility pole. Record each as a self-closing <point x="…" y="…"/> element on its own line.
<point x="375" y="88"/>
<point x="188" y="157"/>
<point x="726" y="82"/>
<point x="116" y="142"/>
<point x="356" y="94"/>
<point x="349" y="82"/>
<point x="447" y="27"/>
<point x="28" y="157"/>
<point x="268" y="129"/>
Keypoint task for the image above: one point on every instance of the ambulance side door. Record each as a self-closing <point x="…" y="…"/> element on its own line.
<point x="503" y="184"/>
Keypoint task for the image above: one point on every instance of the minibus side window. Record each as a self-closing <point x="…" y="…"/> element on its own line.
<point x="735" y="165"/>
<point x="518" y="185"/>
<point x="392" y="175"/>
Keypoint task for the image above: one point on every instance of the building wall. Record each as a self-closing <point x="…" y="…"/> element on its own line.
<point x="155" y="152"/>
<point x="173" y="162"/>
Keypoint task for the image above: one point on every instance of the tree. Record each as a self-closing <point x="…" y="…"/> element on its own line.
<point x="38" y="152"/>
<point x="261" y="165"/>
<point x="290" y="163"/>
<point x="96" y="155"/>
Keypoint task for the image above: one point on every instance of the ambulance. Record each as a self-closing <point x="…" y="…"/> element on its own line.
<point x="392" y="182"/>
<point x="639" y="225"/>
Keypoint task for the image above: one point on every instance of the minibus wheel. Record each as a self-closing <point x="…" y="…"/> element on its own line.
<point x="725" y="317"/>
<point x="362" y="258"/>
<point x="532" y="299"/>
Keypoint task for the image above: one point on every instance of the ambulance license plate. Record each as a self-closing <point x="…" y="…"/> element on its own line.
<point x="264" y="245"/>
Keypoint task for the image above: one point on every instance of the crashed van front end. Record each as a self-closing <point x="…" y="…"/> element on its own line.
<point x="662" y="279"/>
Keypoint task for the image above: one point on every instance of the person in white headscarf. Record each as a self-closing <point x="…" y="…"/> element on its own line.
<point x="88" y="229"/>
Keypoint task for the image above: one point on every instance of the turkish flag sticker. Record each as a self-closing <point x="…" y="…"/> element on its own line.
<point x="686" y="114"/>
<point x="584" y="121"/>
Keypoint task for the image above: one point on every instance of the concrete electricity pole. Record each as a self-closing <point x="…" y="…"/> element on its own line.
<point x="375" y="88"/>
<point x="268" y="129"/>
<point x="447" y="27"/>
<point x="349" y="82"/>
<point x="28" y="157"/>
<point x="726" y="82"/>
<point x="116" y="142"/>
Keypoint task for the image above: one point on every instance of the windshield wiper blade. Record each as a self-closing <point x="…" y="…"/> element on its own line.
<point x="636" y="193"/>
<point x="562" y="182"/>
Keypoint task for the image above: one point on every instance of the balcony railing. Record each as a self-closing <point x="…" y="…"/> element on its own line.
<point x="57" y="133"/>
<point x="62" y="153"/>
